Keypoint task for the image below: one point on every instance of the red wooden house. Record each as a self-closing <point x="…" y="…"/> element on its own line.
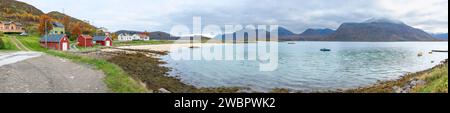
<point x="57" y="42"/>
<point x="84" y="41"/>
<point x="103" y="40"/>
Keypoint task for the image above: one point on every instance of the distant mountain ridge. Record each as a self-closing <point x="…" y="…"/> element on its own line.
<point x="379" y="30"/>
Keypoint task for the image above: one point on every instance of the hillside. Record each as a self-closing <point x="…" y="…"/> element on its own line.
<point x="316" y="34"/>
<point x="379" y="30"/>
<point x="28" y="15"/>
<point x="283" y="35"/>
<point x="12" y="10"/>
<point x="58" y="16"/>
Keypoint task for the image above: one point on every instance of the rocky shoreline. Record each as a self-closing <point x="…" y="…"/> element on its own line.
<point x="405" y="84"/>
<point x="144" y="65"/>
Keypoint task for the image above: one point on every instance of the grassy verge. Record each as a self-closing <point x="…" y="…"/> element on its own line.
<point x="149" y="71"/>
<point x="8" y="45"/>
<point x="436" y="82"/>
<point x="116" y="79"/>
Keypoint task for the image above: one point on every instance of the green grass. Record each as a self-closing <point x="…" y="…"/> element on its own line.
<point x="118" y="43"/>
<point x="9" y="46"/>
<point x="116" y="79"/>
<point x="437" y="81"/>
<point x="32" y="42"/>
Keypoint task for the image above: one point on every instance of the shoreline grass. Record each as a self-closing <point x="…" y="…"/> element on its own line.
<point x="116" y="79"/>
<point x="436" y="80"/>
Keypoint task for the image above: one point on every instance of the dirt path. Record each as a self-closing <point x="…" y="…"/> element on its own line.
<point x="18" y="44"/>
<point x="49" y="74"/>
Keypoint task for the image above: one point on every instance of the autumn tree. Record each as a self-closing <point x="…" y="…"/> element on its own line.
<point x="65" y="20"/>
<point x="45" y="24"/>
<point x="114" y="36"/>
<point x="146" y="33"/>
<point x="75" y="31"/>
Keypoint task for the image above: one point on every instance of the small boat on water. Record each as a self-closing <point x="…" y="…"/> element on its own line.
<point x="291" y="43"/>
<point x="325" y="49"/>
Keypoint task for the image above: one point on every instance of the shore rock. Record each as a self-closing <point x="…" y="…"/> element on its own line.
<point x="162" y="90"/>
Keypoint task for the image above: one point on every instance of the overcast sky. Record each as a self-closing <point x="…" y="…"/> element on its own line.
<point x="296" y="15"/>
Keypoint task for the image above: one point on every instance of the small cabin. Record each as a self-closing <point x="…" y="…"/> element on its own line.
<point x="57" y="42"/>
<point x="103" y="40"/>
<point x="84" y="41"/>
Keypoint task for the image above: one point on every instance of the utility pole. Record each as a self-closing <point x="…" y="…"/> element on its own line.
<point x="45" y="35"/>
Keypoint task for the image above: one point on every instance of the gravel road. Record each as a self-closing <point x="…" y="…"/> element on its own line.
<point x="49" y="74"/>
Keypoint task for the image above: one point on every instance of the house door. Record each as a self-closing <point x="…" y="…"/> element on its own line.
<point x="107" y="43"/>
<point x="64" y="46"/>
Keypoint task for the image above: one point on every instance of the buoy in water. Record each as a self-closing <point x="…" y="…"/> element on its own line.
<point x="420" y="54"/>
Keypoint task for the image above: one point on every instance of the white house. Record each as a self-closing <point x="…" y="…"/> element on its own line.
<point x="128" y="37"/>
<point x="144" y="37"/>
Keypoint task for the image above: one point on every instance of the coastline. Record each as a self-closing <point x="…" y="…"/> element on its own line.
<point x="163" y="49"/>
<point x="412" y="82"/>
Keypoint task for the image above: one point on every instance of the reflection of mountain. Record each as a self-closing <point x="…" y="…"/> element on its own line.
<point x="379" y="30"/>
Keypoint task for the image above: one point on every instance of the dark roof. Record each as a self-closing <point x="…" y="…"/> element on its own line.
<point x="99" y="38"/>
<point x="52" y="38"/>
<point x="10" y="22"/>
<point x="57" y="24"/>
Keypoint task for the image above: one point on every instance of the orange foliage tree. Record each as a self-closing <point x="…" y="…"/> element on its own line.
<point x="45" y="24"/>
<point x="76" y="31"/>
<point x="65" y="20"/>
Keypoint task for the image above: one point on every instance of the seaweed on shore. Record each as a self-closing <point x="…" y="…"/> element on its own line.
<point x="149" y="71"/>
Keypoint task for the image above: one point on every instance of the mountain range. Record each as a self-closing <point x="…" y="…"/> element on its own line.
<point x="379" y="30"/>
<point x="372" y="30"/>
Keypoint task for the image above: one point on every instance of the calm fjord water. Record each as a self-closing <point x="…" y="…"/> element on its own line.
<point x="303" y="67"/>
